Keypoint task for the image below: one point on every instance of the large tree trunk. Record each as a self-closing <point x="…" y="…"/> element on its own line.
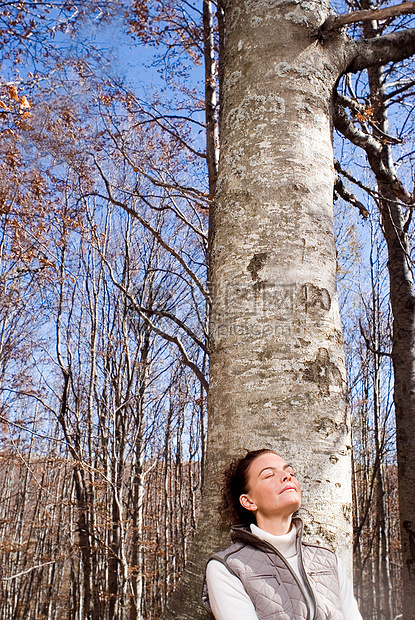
<point x="277" y="369"/>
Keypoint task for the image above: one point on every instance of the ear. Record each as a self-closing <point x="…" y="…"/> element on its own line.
<point x="247" y="503"/>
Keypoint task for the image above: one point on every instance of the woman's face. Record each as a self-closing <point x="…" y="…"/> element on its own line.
<point x="273" y="489"/>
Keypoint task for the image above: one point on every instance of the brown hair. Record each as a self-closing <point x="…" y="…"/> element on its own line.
<point x="235" y="485"/>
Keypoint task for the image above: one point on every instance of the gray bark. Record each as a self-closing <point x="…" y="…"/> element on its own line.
<point x="277" y="370"/>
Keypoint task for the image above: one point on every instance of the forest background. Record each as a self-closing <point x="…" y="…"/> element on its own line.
<point x="106" y="108"/>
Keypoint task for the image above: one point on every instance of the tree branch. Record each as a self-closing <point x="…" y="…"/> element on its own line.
<point x="173" y="318"/>
<point x="185" y="190"/>
<point x="151" y="229"/>
<point x="28" y="570"/>
<point x="345" y="125"/>
<point x="360" y="111"/>
<point x="378" y="51"/>
<point x="372" y="146"/>
<point x="347" y="196"/>
<point x="344" y="173"/>
<point x="334" y="22"/>
<point x="369" y="345"/>
<point x="170" y="338"/>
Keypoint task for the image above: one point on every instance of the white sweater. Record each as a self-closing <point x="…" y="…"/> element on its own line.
<point x="228" y="598"/>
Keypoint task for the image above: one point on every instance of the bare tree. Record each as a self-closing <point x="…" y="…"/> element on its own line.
<point x="361" y="115"/>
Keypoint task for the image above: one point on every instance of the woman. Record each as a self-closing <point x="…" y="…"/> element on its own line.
<point x="268" y="572"/>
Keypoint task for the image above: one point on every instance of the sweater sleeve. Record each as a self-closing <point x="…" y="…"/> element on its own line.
<point x="227" y="596"/>
<point x="349" y="603"/>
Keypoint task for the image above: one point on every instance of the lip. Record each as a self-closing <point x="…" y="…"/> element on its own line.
<point x="289" y="487"/>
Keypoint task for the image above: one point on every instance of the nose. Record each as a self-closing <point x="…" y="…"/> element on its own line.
<point x="286" y="476"/>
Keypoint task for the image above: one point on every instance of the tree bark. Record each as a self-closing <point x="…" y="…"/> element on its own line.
<point x="277" y="369"/>
<point x="403" y="347"/>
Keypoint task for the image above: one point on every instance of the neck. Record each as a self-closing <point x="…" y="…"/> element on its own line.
<point x="275" y="526"/>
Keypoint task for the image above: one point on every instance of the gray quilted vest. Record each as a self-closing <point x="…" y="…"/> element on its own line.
<point x="273" y="586"/>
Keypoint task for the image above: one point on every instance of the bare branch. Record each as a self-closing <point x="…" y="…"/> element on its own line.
<point x="358" y="108"/>
<point x="26" y="429"/>
<point x="378" y="51"/>
<point x="368" y="343"/>
<point x="346" y="126"/>
<point x="173" y="132"/>
<point x="372" y="146"/>
<point x="185" y="190"/>
<point x="344" y="193"/>
<point x="334" y="22"/>
<point x="174" y="319"/>
<point x="173" y="339"/>
<point x="344" y="173"/>
<point x="150" y="228"/>
<point x="28" y="570"/>
<point x="405" y="85"/>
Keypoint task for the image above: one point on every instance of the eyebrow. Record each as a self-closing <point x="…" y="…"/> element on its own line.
<point x="287" y="466"/>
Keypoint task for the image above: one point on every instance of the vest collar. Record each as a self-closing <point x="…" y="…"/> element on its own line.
<point x="242" y="533"/>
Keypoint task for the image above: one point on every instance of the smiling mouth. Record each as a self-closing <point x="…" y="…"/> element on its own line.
<point x="288" y="489"/>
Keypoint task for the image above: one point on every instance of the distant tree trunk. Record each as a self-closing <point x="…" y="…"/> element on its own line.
<point x="383" y="589"/>
<point x="403" y="348"/>
<point x="395" y="222"/>
<point x="211" y="104"/>
<point x="136" y="563"/>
